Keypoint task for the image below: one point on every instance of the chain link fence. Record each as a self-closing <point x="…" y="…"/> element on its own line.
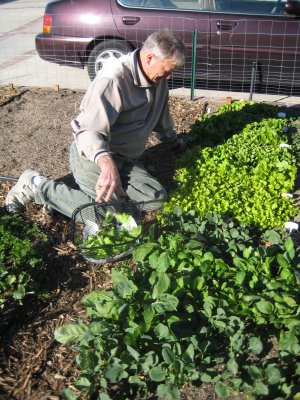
<point x="224" y="53"/>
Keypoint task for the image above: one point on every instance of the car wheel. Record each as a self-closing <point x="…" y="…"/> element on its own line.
<point x="104" y="52"/>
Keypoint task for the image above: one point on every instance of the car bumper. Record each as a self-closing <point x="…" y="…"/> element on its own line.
<point x="62" y="50"/>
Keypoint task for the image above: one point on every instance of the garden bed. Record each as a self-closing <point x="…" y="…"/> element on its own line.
<point x="35" y="127"/>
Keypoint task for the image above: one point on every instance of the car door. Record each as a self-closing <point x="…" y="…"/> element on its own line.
<point x="135" y="20"/>
<point x="244" y="32"/>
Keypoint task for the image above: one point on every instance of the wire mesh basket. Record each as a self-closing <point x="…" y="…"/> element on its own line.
<point x="108" y="231"/>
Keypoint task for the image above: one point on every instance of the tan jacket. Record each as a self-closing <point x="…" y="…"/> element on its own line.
<point x="119" y="111"/>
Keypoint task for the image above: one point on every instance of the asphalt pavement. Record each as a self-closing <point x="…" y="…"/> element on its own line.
<point x="21" y="20"/>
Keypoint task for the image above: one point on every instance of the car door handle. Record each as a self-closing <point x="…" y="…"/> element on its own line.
<point x="130" y="20"/>
<point x="226" y="25"/>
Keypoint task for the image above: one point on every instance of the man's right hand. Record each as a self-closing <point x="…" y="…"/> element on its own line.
<point x="109" y="180"/>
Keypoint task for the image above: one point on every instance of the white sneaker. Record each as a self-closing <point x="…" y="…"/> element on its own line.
<point x="22" y="193"/>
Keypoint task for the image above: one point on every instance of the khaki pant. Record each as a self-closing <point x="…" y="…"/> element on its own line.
<point x="137" y="182"/>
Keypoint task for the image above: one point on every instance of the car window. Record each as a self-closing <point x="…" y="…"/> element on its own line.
<point x="176" y="4"/>
<point x="133" y="3"/>
<point x="266" y="7"/>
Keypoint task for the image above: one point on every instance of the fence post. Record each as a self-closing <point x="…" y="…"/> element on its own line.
<point x="253" y="77"/>
<point x="194" y="53"/>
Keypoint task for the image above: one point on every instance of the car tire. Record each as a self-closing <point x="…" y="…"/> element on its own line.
<point x="103" y="52"/>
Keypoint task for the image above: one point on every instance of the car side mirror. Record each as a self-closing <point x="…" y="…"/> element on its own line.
<point x="292" y="7"/>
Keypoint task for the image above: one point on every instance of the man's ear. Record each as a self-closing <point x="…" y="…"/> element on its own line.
<point x="150" y="58"/>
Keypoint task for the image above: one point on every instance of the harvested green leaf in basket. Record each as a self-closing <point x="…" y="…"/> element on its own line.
<point x="107" y="231"/>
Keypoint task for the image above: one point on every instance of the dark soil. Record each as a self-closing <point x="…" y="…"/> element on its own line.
<point x="35" y="133"/>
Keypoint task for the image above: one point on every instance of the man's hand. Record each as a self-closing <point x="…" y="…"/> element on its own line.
<point x="109" y="179"/>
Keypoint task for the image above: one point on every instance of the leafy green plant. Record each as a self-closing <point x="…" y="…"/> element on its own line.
<point x="115" y="236"/>
<point x="19" y="257"/>
<point x="213" y="129"/>
<point x="245" y="176"/>
<point x="209" y="302"/>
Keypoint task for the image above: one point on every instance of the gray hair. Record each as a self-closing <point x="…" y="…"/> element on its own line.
<point x="166" y="44"/>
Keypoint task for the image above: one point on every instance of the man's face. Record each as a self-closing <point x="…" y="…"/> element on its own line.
<point x="159" y="68"/>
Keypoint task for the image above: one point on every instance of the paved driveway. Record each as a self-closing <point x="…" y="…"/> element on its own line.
<point x="20" y="21"/>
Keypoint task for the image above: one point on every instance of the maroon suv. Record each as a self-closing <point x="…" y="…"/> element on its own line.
<point x="232" y="38"/>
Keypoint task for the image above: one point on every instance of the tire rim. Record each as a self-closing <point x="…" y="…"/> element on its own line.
<point x="104" y="57"/>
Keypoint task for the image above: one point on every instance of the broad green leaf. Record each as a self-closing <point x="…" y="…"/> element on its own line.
<point x="107" y="309"/>
<point x="208" y="256"/>
<point x="124" y="287"/>
<point x="189" y="353"/>
<point x="283" y="262"/>
<point x="161" y="331"/>
<point x="272" y="236"/>
<point x="254" y="372"/>
<point x="157" y="374"/>
<point x="141" y="252"/>
<point x="149" y="361"/>
<point x="133" y="352"/>
<point x="71" y="333"/>
<point x="221" y="311"/>
<point x="135" y="380"/>
<point x="168" y="355"/>
<point x="177" y="211"/>
<point x="255" y="345"/>
<point x="161" y="285"/>
<point x="234" y="233"/>
<point x="239" y="277"/>
<point x="19" y="293"/>
<point x="247" y="252"/>
<point x="168" y="392"/>
<point x="251" y="298"/>
<point x="199" y="282"/>
<point x="10" y="279"/>
<point x="83" y="383"/>
<point x="68" y="394"/>
<point x="87" y="359"/>
<point x="285" y="274"/>
<point x="289" y="301"/>
<point x="287" y="390"/>
<point x="273" y="375"/>
<point x="163" y="262"/>
<point x="97" y="296"/>
<point x="132" y="334"/>
<point x="261" y="389"/>
<point x="103" y="382"/>
<point x="289" y="341"/>
<point x="194" y="244"/>
<point x="232" y="366"/>
<point x="237" y="382"/>
<point x="148" y="315"/>
<point x="165" y="302"/>
<point x="220" y="324"/>
<point x="221" y="390"/>
<point x="265" y="307"/>
<point x="115" y="372"/>
<point x="153" y="259"/>
<point x="205" y="378"/>
<point x="289" y="247"/>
